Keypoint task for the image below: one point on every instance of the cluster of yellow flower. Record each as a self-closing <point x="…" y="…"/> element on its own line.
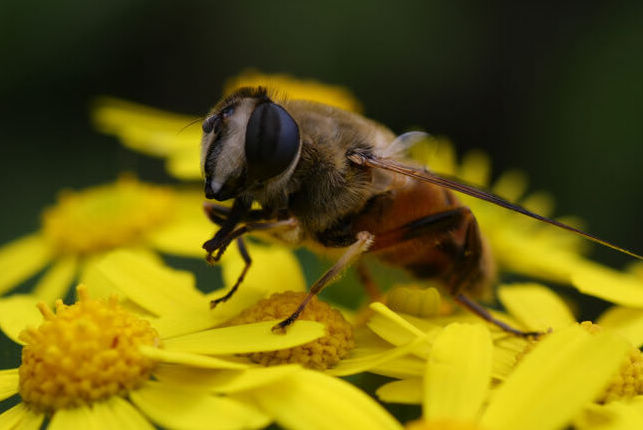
<point x="140" y="347"/>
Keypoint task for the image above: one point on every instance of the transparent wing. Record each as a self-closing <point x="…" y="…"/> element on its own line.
<point x="455" y="185"/>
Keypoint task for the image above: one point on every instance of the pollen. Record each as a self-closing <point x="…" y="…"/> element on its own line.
<point x="319" y="354"/>
<point x="82" y="353"/>
<point x="442" y="424"/>
<point x="628" y="382"/>
<point x="106" y="216"/>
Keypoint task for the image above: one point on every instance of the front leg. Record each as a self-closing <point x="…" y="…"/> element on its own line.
<point x="238" y="235"/>
<point x="236" y="213"/>
<point x="223" y="243"/>
<point x="364" y="241"/>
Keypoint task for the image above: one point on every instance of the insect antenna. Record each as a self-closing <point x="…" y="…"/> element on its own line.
<point x="191" y="123"/>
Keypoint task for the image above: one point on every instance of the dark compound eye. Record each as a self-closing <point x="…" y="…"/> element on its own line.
<point x="272" y="141"/>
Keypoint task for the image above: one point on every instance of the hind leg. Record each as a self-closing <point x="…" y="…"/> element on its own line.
<point x="467" y="272"/>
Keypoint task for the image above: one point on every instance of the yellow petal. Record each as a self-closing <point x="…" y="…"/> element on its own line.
<point x="407" y="391"/>
<point x="21" y="417"/>
<point x="156" y="288"/>
<point x="397" y="330"/>
<point x="21" y="259"/>
<point x="180" y="407"/>
<point x="148" y="130"/>
<point x="610" y="285"/>
<point x="274" y="269"/>
<point x="295" y="89"/>
<point x="189" y="359"/>
<point x="551" y="384"/>
<point x="18" y="312"/>
<point x="511" y="185"/>
<point x="535" y="306"/>
<point x="246" y="338"/>
<point x="184" y="164"/>
<point x="475" y="168"/>
<point x="117" y="413"/>
<point x="311" y="400"/>
<point x="506" y="351"/>
<point x="8" y="383"/>
<point x="361" y="363"/>
<point x="183" y="323"/>
<point x="458" y="372"/>
<point x="223" y="381"/>
<point x="188" y="229"/>
<point x="56" y="281"/>
<point x="81" y="417"/>
<point x="540" y="202"/>
<point x="401" y="368"/>
<point x="627" y="322"/>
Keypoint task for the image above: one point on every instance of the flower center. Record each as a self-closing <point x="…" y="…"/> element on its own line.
<point x="82" y="353"/>
<point x="628" y="382"/>
<point x="319" y="354"/>
<point x="106" y="216"/>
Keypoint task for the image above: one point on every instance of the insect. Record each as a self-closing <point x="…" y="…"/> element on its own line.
<point x="329" y="178"/>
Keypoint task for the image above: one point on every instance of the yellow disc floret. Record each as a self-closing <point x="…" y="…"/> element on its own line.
<point x="106" y="216"/>
<point x="319" y="354"/>
<point x="628" y="382"/>
<point x="82" y="353"/>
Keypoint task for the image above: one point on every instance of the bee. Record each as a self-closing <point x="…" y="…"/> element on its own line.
<point x="332" y="179"/>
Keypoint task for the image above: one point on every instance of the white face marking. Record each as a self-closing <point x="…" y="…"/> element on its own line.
<point x="232" y="156"/>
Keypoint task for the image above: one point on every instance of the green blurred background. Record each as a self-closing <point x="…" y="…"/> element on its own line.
<point x="553" y="88"/>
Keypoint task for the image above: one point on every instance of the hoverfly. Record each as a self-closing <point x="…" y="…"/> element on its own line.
<point x="331" y="178"/>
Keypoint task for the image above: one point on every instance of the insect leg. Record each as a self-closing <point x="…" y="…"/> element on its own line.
<point x="479" y="310"/>
<point x="367" y="281"/>
<point x="248" y="261"/>
<point x="467" y="272"/>
<point x="236" y="214"/>
<point x="218" y="213"/>
<point x="253" y="226"/>
<point x="237" y="234"/>
<point x="364" y="241"/>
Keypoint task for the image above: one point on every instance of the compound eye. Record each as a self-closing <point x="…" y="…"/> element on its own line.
<point x="272" y="141"/>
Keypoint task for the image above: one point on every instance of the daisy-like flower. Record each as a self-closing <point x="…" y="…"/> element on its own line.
<point x="175" y="137"/>
<point x="152" y="358"/>
<point x="619" y="405"/>
<point x="547" y="390"/>
<point x="83" y="360"/>
<point x="530" y="307"/>
<point x="85" y="224"/>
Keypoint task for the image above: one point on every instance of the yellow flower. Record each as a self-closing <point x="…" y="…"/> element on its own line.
<point x="73" y="364"/>
<point x="290" y="87"/>
<point x="85" y="224"/>
<point x="83" y="360"/>
<point x="619" y="404"/>
<point x="176" y="137"/>
<point x="548" y="388"/>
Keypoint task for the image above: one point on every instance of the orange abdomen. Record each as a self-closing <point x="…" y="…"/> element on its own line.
<point x="407" y="237"/>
